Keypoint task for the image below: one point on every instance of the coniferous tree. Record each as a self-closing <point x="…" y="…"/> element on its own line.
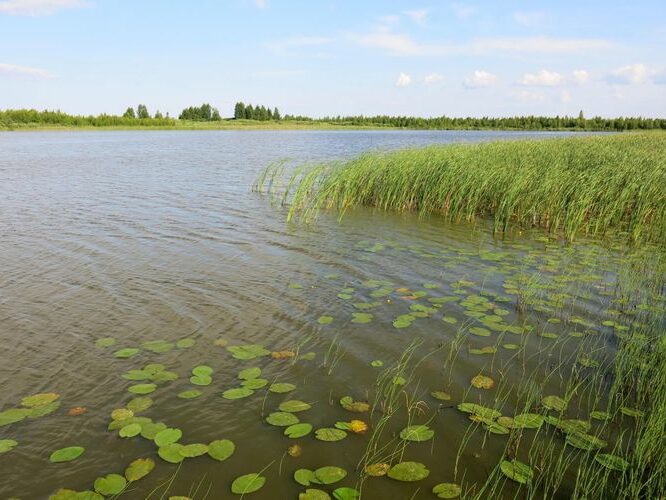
<point x="249" y="112"/>
<point x="142" y="112"/>
<point x="276" y="114"/>
<point x="239" y="111"/>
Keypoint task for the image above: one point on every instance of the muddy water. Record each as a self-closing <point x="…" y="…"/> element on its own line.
<point x="155" y="236"/>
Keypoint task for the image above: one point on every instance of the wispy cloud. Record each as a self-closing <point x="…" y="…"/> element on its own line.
<point x="12" y="70"/>
<point x="581" y="76"/>
<point x="262" y="4"/>
<point x="433" y="78"/>
<point x="543" y="78"/>
<point x="298" y="42"/>
<point x="632" y="73"/>
<point x="480" y="79"/>
<point x="39" y="7"/>
<point x="529" y="19"/>
<point x="404" y="80"/>
<point x="418" y="16"/>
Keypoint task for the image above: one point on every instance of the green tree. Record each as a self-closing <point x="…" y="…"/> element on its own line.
<point x="249" y="112"/>
<point x="239" y="111"/>
<point x="158" y="115"/>
<point x="129" y="113"/>
<point x="142" y="112"/>
<point x="276" y="114"/>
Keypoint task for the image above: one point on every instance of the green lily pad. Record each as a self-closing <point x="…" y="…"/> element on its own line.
<point x="281" y="387"/>
<point x="517" y="471"/>
<point x="330" y="434"/>
<point x="66" y="454"/>
<point x="408" y="471"/>
<point x="441" y="395"/>
<point x="346" y="493"/>
<point x="247" y="352"/>
<point x="38" y="400"/>
<point x="314" y="494"/>
<point x="221" y="449"/>
<point x="528" y="421"/>
<point x="130" y="430"/>
<point x="481" y="411"/>
<point x="171" y="453"/>
<point x="361" y="317"/>
<point x="282" y="419"/>
<point x="13" y="415"/>
<point x="193" y="450"/>
<point x="140" y="404"/>
<point x="612" y="462"/>
<point x="329" y="475"/>
<point x="417" y="433"/>
<point x="554" y="403"/>
<point x="139" y="468"/>
<point x="447" y="490"/>
<point x="167" y="436"/>
<point x="325" y="320"/>
<point x="255" y="383"/>
<point x="249" y="373"/>
<point x="298" y="430"/>
<point x="202" y="371"/>
<point x="600" y="415"/>
<point x="237" y="393"/>
<point x="294" y="406"/>
<point x="41" y="411"/>
<point x="158" y="346"/>
<point x="248" y="483"/>
<point x="111" y="484"/>
<point x="632" y="412"/>
<point x="304" y="476"/>
<point x="585" y="441"/>
<point x="65" y="494"/>
<point x="105" y="342"/>
<point x="149" y="430"/>
<point x="142" y="388"/>
<point x="194" y="393"/>
<point x="377" y="363"/>
<point x="185" y="343"/>
<point x="201" y="380"/>
<point x="7" y="445"/>
<point x="127" y="352"/>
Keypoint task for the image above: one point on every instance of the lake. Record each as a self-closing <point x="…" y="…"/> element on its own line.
<point x="126" y="249"/>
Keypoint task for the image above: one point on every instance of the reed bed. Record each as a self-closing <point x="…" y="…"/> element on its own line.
<point x="592" y="185"/>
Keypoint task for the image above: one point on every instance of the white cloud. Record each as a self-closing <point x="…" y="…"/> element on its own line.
<point x="565" y="96"/>
<point x="433" y="78"/>
<point x="38" y="7"/>
<point x="529" y="18"/>
<point x="23" y="71"/>
<point x="581" y="76"/>
<point x="298" y="42"/>
<point x="480" y="79"/>
<point x="418" y="16"/>
<point x="543" y="78"/>
<point x="632" y="73"/>
<point x="403" y="80"/>
<point x="262" y="4"/>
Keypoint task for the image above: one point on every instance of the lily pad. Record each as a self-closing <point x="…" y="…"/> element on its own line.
<point x="111" y="484"/>
<point x="248" y="351"/>
<point x="325" y="320"/>
<point x="600" y="415"/>
<point x="7" y="445"/>
<point x="139" y="468"/>
<point x="171" y="453"/>
<point x="150" y="430"/>
<point x="201" y="380"/>
<point x="329" y="475"/>
<point x="38" y="400"/>
<point x="281" y="387"/>
<point x="127" y="352"/>
<point x="346" y="493"/>
<point x="447" y="490"/>
<point x="66" y="454"/>
<point x="140" y="404"/>
<point x="142" y="388"/>
<point x="282" y="419"/>
<point x="377" y="470"/>
<point x="361" y="317"/>
<point x="586" y="442"/>
<point x="249" y="373"/>
<point x="441" y="395"/>
<point x="482" y="411"/>
<point x="13" y="415"/>
<point x="314" y="494"/>
<point x="237" y="393"/>
<point x="554" y="403"/>
<point x="221" y="449"/>
<point x="105" y="342"/>
<point x="185" y="343"/>
<point x="193" y="450"/>
<point x="304" y="477"/>
<point x="417" y="433"/>
<point x="354" y="406"/>
<point x="612" y="462"/>
<point x="330" y="434"/>
<point x="408" y="471"/>
<point x="167" y="436"/>
<point x="130" y="430"/>
<point x="248" y="483"/>
<point x="632" y="412"/>
<point x="294" y="406"/>
<point x="255" y="383"/>
<point x="377" y="363"/>
<point x="298" y="430"/>
<point x="517" y="471"/>
<point x="528" y="421"/>
<point x="483" y="382"/>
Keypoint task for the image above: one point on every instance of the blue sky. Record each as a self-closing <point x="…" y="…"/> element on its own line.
<point x="426" y="58"/>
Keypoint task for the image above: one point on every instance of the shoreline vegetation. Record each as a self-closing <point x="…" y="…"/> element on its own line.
<point x="206" y="117"/>
<point x="594" y="186"/>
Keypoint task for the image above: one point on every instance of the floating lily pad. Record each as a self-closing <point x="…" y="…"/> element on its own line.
<point x="140" y="404"/>
<point x="314" y="494"/>
<point x="600" y="415"/>
<point x="193" y="450"/>
<point x="105" y="342"/>
<point x="38" y="400"/>
<point x="237" y="393"/>
<point x="377" y="363"/>
<point x="517" y="471"/>
<point x="249" y="373"/>
<point x="139" y="468"/>
<point x="142" y="388"/>
<point x="528" y="421"/>
<point x="585" y="441"/>
<point x="201" y="380"/>
<point x="612" y="462"/>
<point x="298" y="430"/>
<point x="408" y="471"/>
<point x="282" y="419"/>
<point x="171" y="453"/>
<point x="361" y="317"/>
<point x="255" y="383"/>
<point x="304" y="476"/>
<point x="167" y="436"/>
<point x="121" y="414"/>
<point x="417" y="433"/>
<point x="479" y="410"/>
<point x="7" y="445"/>
<point x="479" y="332"/>
<point x="441" y="395"/>
<point x="248" y="483"/>
<point x="325" y="320"/>
<point x="65" y="494"/>
<point x="346" y="493"/>
<point x="354" y="406"/>
<point x="185" y="343"/>
<point x="482" y="382"/>
<point x="248" y="351"/>
<point x="13" y="415"/>
<point x="194" y="393"/>
<point x="329" y="475"/>
<point x="281" y="387"/>
<point x="149" y="430"/>
<point x="158" y="346"/>
<point x="294" y="406"/>
<point x="111" y="484"/>
<point x="125" y="353"/>
<point x="221" y="449"/>
<point x="377" y="470"/>
<point x="447" y="490"/>
<point x="66" y="454"/>
<point x="130" y="430"/>
<point x="202" y="371"/>
<point x="330" y="434"/>
<point x="554" y="403"/>
<point x="632" y="412"/>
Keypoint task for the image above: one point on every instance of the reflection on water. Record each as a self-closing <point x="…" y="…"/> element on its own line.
<point x="154" y="240"/>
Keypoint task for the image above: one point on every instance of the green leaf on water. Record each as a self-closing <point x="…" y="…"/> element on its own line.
<point x="158" y="346"/>
<point x="632" y="412"/>
<point x="105" y="342"/>
<point x="313" y="494"/>
<point x="330" y="434"/>
<point x="202" y="371"/>
<point x="325" y="320"/>
<point x="517" y="471"/>
<point x="554" y="403"/>
<point x="7" y="445"/>
<point x="191" y="394"/>
<point x="221" y="449"/>
<point x="65" y="494"/>
<point x="585" y="441"/>
<point x="361" y="317"/>
<point x="41" y="411"/>
<point x="167" y="436"/>
<point x="329" y="475"/>
<point x="408" y="471"/>
<point x="185" y="343"/>
<point x="282" y="419"/>
<point x="600" y="415"/>
<point x="441" y="395"/>
<point x="139" y="468"/>
<point x="130" y="430"/>
<point x="149" y="430"/>
<point x="294" y="406"/>
<point x="142" y="388"/>
<point x="447" y="490"/>
<point x="417" y="433"/>
<point x="247" y="483"/>
<point x="13" y="415"/>
<point x="528" y="421"/>
<point x="304" y="476"/>
<point x="377" y="363"/>
<point x="193" y="450"/>
<point x="111" y="484"/>
<point x="237" y="393"/>
<point x="66" y="454"/>
<point x="171" y="453"/>
<point x="612" y="462"/>
<point x="298" y="430"/>
<point x="281" y="387"/>
<point x="255" y="383"/>
<point x="346" y="493"/>
<point x="140" y="404"/>
<point x="249" y="373"/>
<point x="127" y="352"/>
<point x="248" y="351"/>
<point x="201" y="380"/>
<point x="38" y="400"/>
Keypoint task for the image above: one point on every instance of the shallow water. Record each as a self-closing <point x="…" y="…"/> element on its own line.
<point x="147" y="236"/>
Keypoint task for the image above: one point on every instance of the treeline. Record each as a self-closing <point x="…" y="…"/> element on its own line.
<point x="596" y="123"/>
<point x="12" y="118"/>
<point x="244" y="111"/>
<point x="203" y="113"/>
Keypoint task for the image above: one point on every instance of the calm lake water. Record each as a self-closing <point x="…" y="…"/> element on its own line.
<point x="150" y="238"/>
